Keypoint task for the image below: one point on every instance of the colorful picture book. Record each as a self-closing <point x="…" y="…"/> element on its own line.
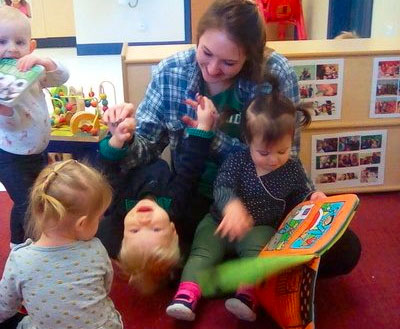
<point x="286" y="269"/>
<point x="13" y="83"/>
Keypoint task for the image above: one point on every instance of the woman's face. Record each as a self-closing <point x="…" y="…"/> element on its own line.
<point x="220" y="59"/>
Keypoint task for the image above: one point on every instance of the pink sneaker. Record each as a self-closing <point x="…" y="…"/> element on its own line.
<point x="185" y="300"/>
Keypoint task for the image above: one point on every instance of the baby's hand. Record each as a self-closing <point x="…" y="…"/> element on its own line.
<point x="206" y="114"/>
<point x="26" y="62"/>
<point x="237" y="222"/>
<point x="317" y="195"/>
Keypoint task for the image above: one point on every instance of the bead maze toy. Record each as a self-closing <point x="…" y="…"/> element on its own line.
<point x="286" y="270"/>
<point x="71" y="111"/>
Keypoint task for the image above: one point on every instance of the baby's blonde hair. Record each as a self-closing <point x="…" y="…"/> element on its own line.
<point x="148" y="269"/>
<point x="11" y="14"/>
<point x="66" y="187"/>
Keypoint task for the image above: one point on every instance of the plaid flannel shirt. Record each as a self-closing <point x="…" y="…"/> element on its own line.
<point x="176" y="79"/>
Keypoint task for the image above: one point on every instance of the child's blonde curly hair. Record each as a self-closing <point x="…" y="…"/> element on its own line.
<point x="149" y="268"/>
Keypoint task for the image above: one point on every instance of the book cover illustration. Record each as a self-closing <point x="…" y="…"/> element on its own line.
<point x="13" y="83"/>
<point x="286" y="270"/>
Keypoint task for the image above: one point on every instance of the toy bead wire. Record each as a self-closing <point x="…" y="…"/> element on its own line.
<point x="101" y="89"/>
<point x="57" y="100"/>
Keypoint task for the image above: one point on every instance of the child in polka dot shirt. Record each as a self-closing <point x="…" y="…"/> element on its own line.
<point x="64" y="275"/>
<point x="253" y="191"/>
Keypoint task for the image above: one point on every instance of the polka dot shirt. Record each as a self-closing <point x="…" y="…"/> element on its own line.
<point x="269" y="197"/>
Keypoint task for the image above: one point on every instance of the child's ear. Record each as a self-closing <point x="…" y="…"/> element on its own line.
<point x="80" y="223"/>
<point x="32" y="45"/>
<point x="173" y="227"/>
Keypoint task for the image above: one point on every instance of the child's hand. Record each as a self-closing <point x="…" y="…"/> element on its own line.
<point x="205" y="108"/>
<point x="6" y="111"/>
<point x="236" y="223"/>
<point x="26" y="62"/>
<point x="318" y="195"/>
<point x="206" y="114"/>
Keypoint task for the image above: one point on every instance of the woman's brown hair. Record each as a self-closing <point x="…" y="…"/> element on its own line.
<point x="241" y="20"/>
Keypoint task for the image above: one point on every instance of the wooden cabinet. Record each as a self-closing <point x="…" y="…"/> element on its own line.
<point x="52" y="18"/>
<point x="197" y="9"/>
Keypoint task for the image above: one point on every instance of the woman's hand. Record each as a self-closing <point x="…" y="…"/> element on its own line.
<point x="121" y="123"/>
<point x="123" y="132"/>
<point x="236" y="223"/>
<point x="118" y="113"/>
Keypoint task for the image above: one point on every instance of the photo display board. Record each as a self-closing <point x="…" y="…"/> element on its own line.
<point x="355" y="158"/>
<point x="321" y="84"/>
<point x="385" y="91"/>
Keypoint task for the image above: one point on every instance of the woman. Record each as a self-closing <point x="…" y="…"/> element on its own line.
<point x="228" y="66"/>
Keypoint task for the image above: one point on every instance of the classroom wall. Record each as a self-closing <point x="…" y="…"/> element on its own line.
<point x="385" y="19"/>
<point x="316" y="18"/>
<point x="52" y="18"/>
<point x="109" y="21"/>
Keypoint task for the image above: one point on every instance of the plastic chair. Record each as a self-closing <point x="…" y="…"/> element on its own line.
<point x="284" y="12"/>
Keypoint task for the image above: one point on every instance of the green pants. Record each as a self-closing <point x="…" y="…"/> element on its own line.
<point x="209" y="249"/>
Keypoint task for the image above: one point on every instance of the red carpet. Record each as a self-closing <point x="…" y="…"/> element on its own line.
<point x="368" y="298"/>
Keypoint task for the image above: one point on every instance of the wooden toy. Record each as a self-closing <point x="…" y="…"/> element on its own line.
<point x="69" y="109"/>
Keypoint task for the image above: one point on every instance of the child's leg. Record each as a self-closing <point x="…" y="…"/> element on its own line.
<point x="17" y="174"/>
<point x="208" y="249"/>
<point x="243" y="305"/>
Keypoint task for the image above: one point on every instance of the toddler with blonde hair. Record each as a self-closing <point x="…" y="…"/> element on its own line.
<point x="63" y="276"/>
<point x="150" y="246"/>
<point x="145" y="239"/>
<point x="24" y="127"/>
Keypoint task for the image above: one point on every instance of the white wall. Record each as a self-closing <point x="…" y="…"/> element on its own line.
<point x="108" y="21"/>
<point x="316" y="18"/>
<point x="385" y="18"/>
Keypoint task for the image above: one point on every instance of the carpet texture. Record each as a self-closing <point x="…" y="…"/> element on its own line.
<point x="367" y="298"/>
